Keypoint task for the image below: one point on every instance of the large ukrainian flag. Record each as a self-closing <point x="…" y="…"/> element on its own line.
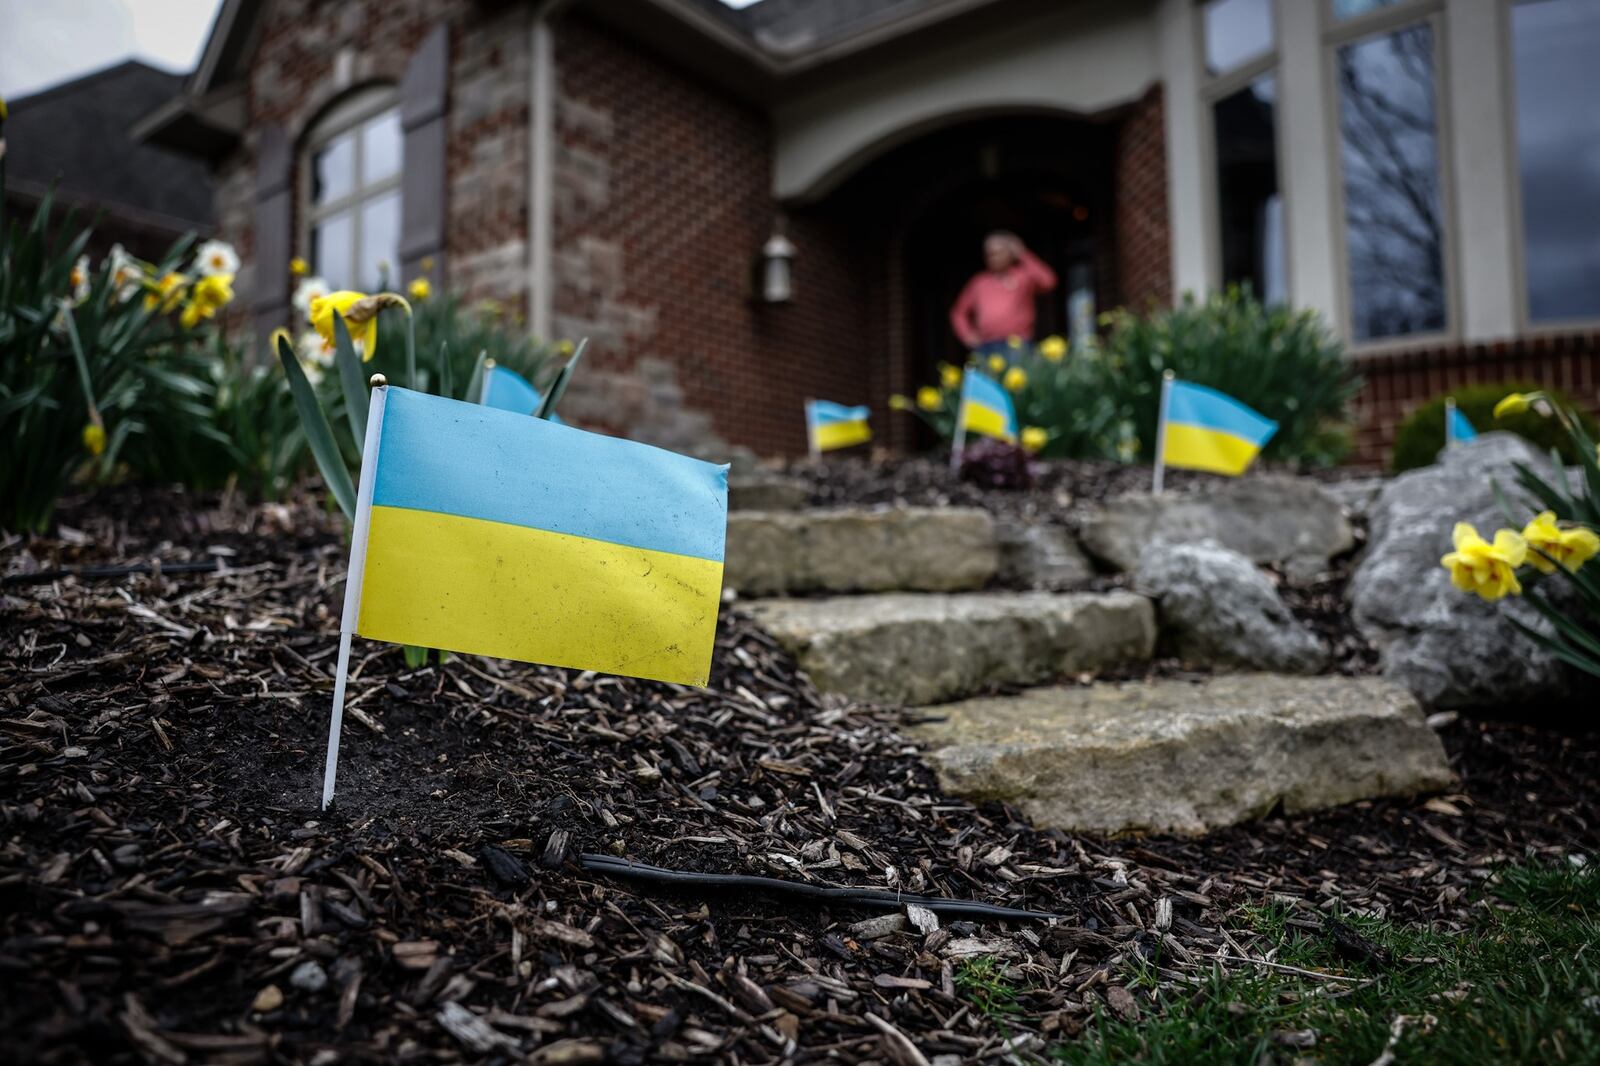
<point x="832" y="425"/>
<point x="492" y="533"/>
<point x="986" y="407"/>
<point x="1210" y="430"/>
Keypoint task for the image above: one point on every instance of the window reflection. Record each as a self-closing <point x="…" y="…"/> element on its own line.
<point x="1250" y="208"/>
<point x="380" y="148"/>
<point x="1394" y="225"/>
<point x="380" y="241"/>
<point x="1557" y="79"/>
<point x="333" y="170"/>
<point x="332" y="241"/>
<point x="1236" y="31"/>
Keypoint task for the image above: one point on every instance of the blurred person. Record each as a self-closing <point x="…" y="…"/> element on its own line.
<point x="997" y="304"/>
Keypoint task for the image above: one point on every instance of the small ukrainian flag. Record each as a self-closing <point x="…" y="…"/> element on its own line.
<point x="508" y="390"/>
<point x="831" y="425"/>
<point x="493" y="534"/>
<point x="1457" y="426"/>
<point x="1203" y="429"/>
<point x="986" y="408"/>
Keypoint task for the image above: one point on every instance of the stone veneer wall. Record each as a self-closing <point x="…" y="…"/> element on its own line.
<point x="662" y="202"/>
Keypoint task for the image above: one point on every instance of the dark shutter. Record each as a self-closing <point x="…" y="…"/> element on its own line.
<point x="423" y="92"/>
<point x="273" y="238"/>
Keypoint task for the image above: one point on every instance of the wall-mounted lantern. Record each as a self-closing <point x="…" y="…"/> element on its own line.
<point x="777" y="277"/>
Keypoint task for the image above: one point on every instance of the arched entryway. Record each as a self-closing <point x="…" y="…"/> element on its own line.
<point x="921" y="212"/>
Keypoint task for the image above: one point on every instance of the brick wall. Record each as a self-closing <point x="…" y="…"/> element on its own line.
<point x="1397" y="383"/>
<point x="309" y="53"/>
<point x="1143" y="230"/>
<point x="662" y="203"/>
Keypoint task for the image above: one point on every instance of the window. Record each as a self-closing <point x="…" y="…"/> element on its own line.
<point x="353" y="193"/>
<point x="1242" y="96"/>
<point x="1556" y="79"/>
<point x="1349" y="9"/>
<point x="1389" y="157"/>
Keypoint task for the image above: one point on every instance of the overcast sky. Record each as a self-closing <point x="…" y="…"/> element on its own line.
<point x="43" y="42"/>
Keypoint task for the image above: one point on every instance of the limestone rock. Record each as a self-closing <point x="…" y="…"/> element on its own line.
<point x="909" y="648"/>
<point x="1266" y="519"/>
<point x="766" y="492"/>
<point x="1448" y="647"/>
<point x="937" y="549"/>
<point x="1217" y="607"/>
<point x="1173" y="756"/>
<point x="1039" y="555"/>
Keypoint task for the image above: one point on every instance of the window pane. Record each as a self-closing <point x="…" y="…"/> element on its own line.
<point x="380" y="147"/>
<point x="1236" y="32"/>
<point x="331" y="247"/>
<point x="1554" y="45"/>
<point x="1349" y="9"/>
<point x="1389" y="150"/>
<point x="380" y="241"/>
<point x="1250" y="210"/>
<point x="333" y="170"/>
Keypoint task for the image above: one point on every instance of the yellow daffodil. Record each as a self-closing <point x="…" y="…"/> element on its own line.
<point x="929" y="398"/>
<point x="209" y="294"/>
<point x="997" y="364"/>
<point x="420" y="289"/>
<point x="165" y="294"/>
<point x="949" y="376"/>
<point x="94" y="439"/>
<point x="1053" y="348"/>
<point x="564" y="347"/>
<point x="899" y="403"/>
<point x="1015" y="378"/>
<point x="1034" y="438"/>
<point x="1570" y="546"/>
<point x="298" y="267"/>
<point x="1014" y="341"/>
<point x="1514" y="404"/>
<point x="427" y="264"/>
<point x="360" y="314"/>
<point x="1490" y="570"/>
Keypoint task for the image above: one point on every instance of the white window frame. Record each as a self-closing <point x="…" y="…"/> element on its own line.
<point x="1213" y="89"/>
<point x="1337" y="33"/>
<point x="1513" y="155"/>
<point x="353" y="111"/>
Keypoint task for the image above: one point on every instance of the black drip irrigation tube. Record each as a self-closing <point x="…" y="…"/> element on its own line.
<point x="856" y="897"/>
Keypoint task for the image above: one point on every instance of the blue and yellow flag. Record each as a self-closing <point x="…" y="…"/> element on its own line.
<point x="508" y="390"/>
<point x="1210" y="430"/>
<point x="986" y="408"/>
<point x="1460" y="427"/>
<point x="491" y="533"/>
<point x="832" y="425"/>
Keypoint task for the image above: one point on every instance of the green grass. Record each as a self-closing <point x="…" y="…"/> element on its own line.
<point x="1519" y="986"/>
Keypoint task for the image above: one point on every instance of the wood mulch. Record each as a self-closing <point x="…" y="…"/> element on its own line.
<point x="170" y="893"/>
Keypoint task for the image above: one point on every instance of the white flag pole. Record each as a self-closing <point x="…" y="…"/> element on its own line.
<point x="1161" y="435"/>
<point x="811" y="430"/>
<point x="353" y="576"/>
<point x="958" y="443"/>
<point x="1449" y="422"/>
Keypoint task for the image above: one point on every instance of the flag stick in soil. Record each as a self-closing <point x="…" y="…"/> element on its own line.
<point x="1161" y="435"/>
<point x="352" y="581"/>
<point x="1449" y="422"/>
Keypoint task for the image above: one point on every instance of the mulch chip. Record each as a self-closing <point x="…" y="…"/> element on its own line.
<point x="170" y="893"/>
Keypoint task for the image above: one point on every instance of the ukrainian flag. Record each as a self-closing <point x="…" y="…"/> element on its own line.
<point x="986" y="407"/>
<point x="1460" y="426"/>
<point x="508" y="390"/>
<point x="831" y="425"/>
<point x="1209" y="430"/>
<point x="490" y="533"/>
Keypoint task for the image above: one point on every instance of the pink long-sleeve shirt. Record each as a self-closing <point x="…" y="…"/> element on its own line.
<point x="994" y="307"/>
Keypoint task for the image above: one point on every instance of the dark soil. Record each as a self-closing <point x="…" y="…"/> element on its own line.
<point x="169" y="891"/>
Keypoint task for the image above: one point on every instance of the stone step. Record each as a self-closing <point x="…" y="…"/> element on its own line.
<point x="922" y="648"/>
<point x="927" y="549"/>
<point x="1175" y="756"/>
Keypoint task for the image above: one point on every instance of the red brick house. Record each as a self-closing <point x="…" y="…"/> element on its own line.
<point x="615" y="168"/>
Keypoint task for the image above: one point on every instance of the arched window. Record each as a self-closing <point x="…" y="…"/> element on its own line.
<point x="351" y="192"/>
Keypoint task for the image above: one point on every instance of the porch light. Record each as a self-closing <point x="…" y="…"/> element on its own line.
<point x="777" y="282"/>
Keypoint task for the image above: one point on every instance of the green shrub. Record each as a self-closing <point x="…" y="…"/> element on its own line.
<point x="1420" y="438"/>
<point x="1283" y="363"/>
<point x="1102" y="401"/>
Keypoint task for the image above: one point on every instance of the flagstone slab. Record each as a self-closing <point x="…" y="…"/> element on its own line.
<point x="920" y="549"/>
<point x="922" y="648"/>
<point x="1267" y="519"/>
<point x="1177" y="756"/>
